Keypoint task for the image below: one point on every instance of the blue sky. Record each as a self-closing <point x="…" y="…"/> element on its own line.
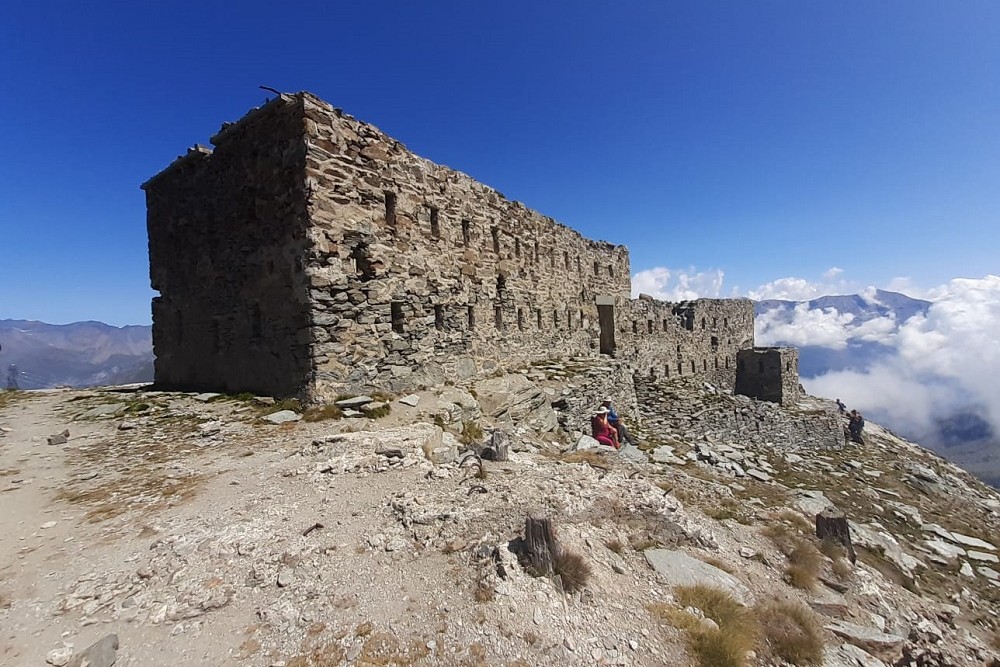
<point x="763" y="140"/>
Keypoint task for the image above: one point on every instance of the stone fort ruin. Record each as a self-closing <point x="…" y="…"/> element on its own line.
<point x="309" y="254"/>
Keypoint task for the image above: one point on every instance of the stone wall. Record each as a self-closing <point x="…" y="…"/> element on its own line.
<point x="769" y="374"/>
<point x="311" y="254"/>
<point x="227" y="234"/>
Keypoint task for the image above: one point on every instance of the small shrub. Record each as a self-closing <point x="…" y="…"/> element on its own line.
<point x="484" y="592"/>
<point x="790" y="631"/>
<point x="322" y="413"/>
<point x="439" y="422"/>
<point x="615" y="545"/>
<point x="832" y="549"/>
<point x="573" y="569"/>
<point x="292" y="404"/>
<point x="803" y="565"/>
<point x="726" y="646"/>
<point x="135" y="407"/>
<point x="842" y="569"/>
<point x="471" y="432"/>
<point x="379" y="412"/>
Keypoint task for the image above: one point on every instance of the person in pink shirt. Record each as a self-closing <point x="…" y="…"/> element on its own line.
<point x="604" y="432"/>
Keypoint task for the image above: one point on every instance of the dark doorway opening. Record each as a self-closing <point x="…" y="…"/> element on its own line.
<point x="606" y="316"/>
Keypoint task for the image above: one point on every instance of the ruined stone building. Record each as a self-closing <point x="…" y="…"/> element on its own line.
<point x="309" y="254"/>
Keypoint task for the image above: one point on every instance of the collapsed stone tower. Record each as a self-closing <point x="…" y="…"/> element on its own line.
<point x="309" y="254"/>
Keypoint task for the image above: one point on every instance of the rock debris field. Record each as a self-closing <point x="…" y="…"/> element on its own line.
<point x="152" y="528"/>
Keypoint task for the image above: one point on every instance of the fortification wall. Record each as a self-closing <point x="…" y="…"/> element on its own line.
<point x="227" y="231"/>
<point x="769" y="374"/>
<point x="700" y="338"/>
<point x="419" y="273"/>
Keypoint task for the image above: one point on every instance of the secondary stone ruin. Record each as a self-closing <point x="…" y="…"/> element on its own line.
<point x="309" y="254"/>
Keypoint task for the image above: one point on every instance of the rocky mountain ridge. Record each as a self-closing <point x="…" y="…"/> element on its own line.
<point x="239" y="530"/>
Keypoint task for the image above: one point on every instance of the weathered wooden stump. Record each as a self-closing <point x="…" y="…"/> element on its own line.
<point x="832" y="524"/>
<point x="540" y="546"/>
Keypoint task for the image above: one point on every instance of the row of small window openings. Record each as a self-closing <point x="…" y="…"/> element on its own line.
<point x="680" y="366"/>
<point x="651" y="325"/>
<point x="398" y="318"/>
<point x="434" y="214"/>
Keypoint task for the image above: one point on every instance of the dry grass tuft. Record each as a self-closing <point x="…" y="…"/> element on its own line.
<point x="615" y="545"/>
<point x="803" y="565"/>
<point x="843" y="569"/>
<point x="591" y="457"/>
<point x="471" y="433"/>
<point x="573" y="570"/>
<point x="379" y="412"/>
<point x="726" y="646"/>
<point x="790" y="631"/>
<point x="719" y="563"/>
<point x="832" y="549"/>
<point x="320" y="413"/>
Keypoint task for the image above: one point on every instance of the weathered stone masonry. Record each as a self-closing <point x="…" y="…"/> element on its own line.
<point x="310" y="254"/>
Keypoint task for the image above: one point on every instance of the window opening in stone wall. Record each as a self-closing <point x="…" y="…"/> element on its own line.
<point x="396" y="313"/>
<point x="520" y="319"/>
<point x="439" y="317"/>
<point x="536" y="252"/>
<point x="517" y="247"/>
<point x="635" y="327"/>
<point x="727" y="362"/>
<point x="435" y="227"/>
<point x="597" y="268"/>
<point x="555" y="318"/>
<point x="649" y="325"/>
<point x="582" y="323"/>
<point x="703" y="323"/>
<point x="680" y="368"/>
<point x="725" y="322"/>
<point x="715" y="341"/>
<point x="501" y="285"/>
<point x="666" y="371"/>
<point x="664" y="324"/>
<point x="538" y="316"/>
<point x="256" y="322"/>
<point x="569" y="319"/>
<point x="715" y="322"/>
<point x="579" y="265"/>
<point x="692" y="365"/>
<point x="678" y="350"/>
<point x="788" y="365"/>
<point x="390" y="208"/>
<point x="611" y="271"/>
<point x="363" y="266"/>
<point x="552" y="258"/>
<point x="472" y="317"/>
<point x="704" y="364"/>
<point x="606" y="323"/>
<point x="466" y="232"/>
<point x="498" y="317"/>
<point x="716" y="363"/>
<point x="496" y="239"/>
<point x="566" y="259"/>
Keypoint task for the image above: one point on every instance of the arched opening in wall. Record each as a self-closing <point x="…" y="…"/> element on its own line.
<point x="566" y="258"/>
<point x="364" y="268"/>
<point x="498" y="317"/>
<point x="435" y="227"/>
<point x="538" y="316"/>
<point x="692" y="365"/>
<point x="390" y="208"/>
<point x="466" y="232"/>
<point x="520" y="319"/>
<point x="396" y="315"/>
<point x="439" y="317"/>
<point x="471" y="314"/>
<point x="715" y="341"/>
<point x="496" y="239"/>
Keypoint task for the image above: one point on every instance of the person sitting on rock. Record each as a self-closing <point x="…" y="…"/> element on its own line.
<point x="603" y="432"/>
<point x="856" y="424"/>
<point x="617" y="425"/>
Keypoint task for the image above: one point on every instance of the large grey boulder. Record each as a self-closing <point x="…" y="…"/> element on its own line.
<point x="282" y="416"/>
<point x="869" y="639"/>
<point x="457" y="405"/>
<point x="102" y="653"/>
<point x="516" y="399"/>
<point x="679" y="569"/>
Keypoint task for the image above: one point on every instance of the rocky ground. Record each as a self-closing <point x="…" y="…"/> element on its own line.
<point x="233" y="530"/>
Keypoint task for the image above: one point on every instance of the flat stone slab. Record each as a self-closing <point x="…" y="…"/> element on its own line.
<point x="679" y="569"/>
<point x="759" y="475"/>
<point x="207" y="396"/>
<point x="944" y="549"/>
<point x="355" y="402"/>
<point x="982" y="556"/>
<point x="992" y="575"/>
<point x="282" y="416"/>
<point x="974" y="542"/>
<point x="412" y="400"/>
<point x="869" y="639"/>
<point x="108" y="410"/>
<point x="102" y="653"/>
<point x="848" y="655"/>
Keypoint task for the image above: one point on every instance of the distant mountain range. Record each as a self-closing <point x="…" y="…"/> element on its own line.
<point x="81" y="354"/>
<point x="961" y="434"/>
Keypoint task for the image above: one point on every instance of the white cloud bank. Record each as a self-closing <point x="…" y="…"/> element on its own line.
<point x="931" y="367"/>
